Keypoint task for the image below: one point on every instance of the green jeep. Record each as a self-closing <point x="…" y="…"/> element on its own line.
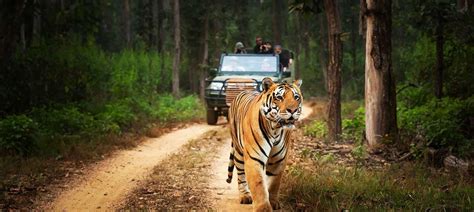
<point x="237" y="73"/>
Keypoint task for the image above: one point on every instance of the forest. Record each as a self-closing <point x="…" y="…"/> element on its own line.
<point x="390" y="79"/>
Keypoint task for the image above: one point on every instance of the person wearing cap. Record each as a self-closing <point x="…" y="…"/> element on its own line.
<point x="239" y="48"/>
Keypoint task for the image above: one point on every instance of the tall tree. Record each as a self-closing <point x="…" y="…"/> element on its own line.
<point x="380" y="96"/>
<point x="127" y="23"/>
<point x="276" y="21"/>
<point x="205" y="57"/>
<point x="10" y="21"/>
<point x="334" y="69"/>
<point x="322" y="51"/>
<point x="439" y="36"/>
<point x="177" y="49"/>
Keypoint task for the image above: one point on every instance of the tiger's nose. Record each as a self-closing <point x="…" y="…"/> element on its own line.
<point x="291" y="111"/>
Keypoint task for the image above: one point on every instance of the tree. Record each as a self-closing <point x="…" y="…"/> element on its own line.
<point x="205" y="58"/>
<point x="10" y="22"/>
<point x="334" y="69"/>
<point x="380" y="96"/>
<point x="177" y="49"/>
<point x="276" y="21"/>
<point x="127" y="23"/>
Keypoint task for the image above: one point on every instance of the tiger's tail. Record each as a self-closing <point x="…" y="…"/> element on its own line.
<point x="230" y="168"/>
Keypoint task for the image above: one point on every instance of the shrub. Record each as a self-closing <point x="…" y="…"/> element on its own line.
<point x="317" y="129"/>
<point x="117" y="114"/>
<point x="68" y="120"/>
<point x="170" y="109"/>
<point x="440" y="123"/>
<point x="18" y="135"/>
<point x="411" y="96"/>
<point x="353" y="128"/>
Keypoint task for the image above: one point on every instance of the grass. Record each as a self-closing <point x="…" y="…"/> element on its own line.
<point x="404" y="186"/>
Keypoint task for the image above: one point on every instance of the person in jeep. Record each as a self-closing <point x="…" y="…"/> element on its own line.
<point x="258" y="45"/>
<point x="239" y="48"/>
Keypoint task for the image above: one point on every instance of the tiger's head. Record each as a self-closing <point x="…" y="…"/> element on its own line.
<point x="282" y="102"/>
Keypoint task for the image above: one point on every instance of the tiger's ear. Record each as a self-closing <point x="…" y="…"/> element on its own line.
<point x="298" y="83"/>
<point x="267" y="83"/>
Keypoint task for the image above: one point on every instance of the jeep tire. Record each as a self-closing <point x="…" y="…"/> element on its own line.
<point x="212" y="117"/>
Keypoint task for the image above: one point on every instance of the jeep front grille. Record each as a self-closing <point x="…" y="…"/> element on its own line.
<point x="236" y="86"/>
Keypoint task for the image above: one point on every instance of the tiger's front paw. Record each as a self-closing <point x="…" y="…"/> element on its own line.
<point x="245" y="199"/>
<point x="275" y="204"/>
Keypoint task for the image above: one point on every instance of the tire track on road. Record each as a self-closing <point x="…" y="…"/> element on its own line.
<point x="107" y="183"/>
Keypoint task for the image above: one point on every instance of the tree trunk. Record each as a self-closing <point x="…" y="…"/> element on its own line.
<point x="205" y="58"/>
<point x="439" y="59"/>
<point x="177" y="49"/>
<point x="362" y="22"/>
<point x="276" y="20"/>
<point x="353" y="42"/>
<point x="354" y="32"/>
<point x="334" y="69"/>
<point x="322" y="52"/>
<point x="242" y="16"/>
<point x="10" y="24"/>
<point x="160" y="27"/>
<point x="127" y="22"/>
<point x="380" y="96"/>
<point x="297" y="25"/>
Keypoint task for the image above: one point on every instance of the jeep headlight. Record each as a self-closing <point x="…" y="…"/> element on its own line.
<point x="216" y="86"/>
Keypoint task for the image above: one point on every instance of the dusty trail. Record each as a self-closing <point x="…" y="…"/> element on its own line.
<point x="227" y="195"/>
<point x="108" y="182"/>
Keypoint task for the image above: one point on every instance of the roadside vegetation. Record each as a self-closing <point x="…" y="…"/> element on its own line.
<point x="87" y="103"/>
<point x="330" y="186"/>
<point x="406" y="175"/>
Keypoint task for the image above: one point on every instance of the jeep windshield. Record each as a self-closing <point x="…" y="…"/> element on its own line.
<point x="253" y="64"/>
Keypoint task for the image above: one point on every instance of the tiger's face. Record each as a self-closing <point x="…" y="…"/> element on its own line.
<point x="282" y="103"/>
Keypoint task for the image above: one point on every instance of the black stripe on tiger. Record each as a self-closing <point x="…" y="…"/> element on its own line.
<point x="270" y="174"/>
<point x="258" y="160"/>
<point x="263" y="129"/>
<point x="259" y="146"/>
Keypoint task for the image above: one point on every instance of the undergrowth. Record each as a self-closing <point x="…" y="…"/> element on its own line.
<point x="64" y="129"/>
<point x="405" y="186"/>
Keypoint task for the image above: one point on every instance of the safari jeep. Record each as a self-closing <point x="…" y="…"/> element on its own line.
<point x="237" y="73"/>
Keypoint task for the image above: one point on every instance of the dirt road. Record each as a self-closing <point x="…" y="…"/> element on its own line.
<point x="227" y="195"/>
<point x="108" y="182"/>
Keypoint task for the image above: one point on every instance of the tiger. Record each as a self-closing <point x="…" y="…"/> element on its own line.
<point x="261" y="124"/>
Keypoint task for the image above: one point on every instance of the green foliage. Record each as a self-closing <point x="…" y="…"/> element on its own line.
<point x="119" y="113"/>
<point x="68" y="120"/>
<point x="440" y="123"/>
<point x="410" y="95"/>
<point x="317" y="129"/>
<point x="61" y="129"/>
<point x="353" y="128"/>
<point x="170" y="109"/>
<point x="17" y="135"/>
